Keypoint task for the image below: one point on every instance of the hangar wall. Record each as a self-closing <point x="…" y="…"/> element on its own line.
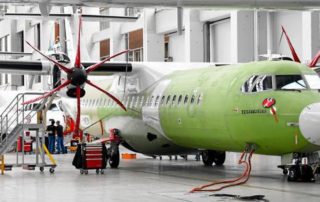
<point x="207" y="35"/>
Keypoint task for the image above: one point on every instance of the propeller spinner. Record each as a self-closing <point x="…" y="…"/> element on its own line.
<point x="77" y="76"/>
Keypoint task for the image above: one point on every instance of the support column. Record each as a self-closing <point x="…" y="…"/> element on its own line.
<point x="242" y="36"/>
<point x="117" y="40"/>
<point x="194" y="51"/>
<point x="310" y="35"/>
<point x="153" y="43"/>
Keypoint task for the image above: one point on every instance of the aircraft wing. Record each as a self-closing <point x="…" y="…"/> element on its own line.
<point x="25" y="67"/>
<point x="45" y="68"/>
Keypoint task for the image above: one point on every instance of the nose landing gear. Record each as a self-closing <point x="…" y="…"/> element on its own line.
<point x="298" y="171"/>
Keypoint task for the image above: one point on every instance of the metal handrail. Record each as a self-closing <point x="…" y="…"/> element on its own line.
<point x="13" y="115"/>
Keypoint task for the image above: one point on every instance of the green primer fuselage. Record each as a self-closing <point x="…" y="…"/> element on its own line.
<point x="221" y="116"/>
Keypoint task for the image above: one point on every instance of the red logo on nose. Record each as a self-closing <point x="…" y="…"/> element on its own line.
<point x="268" y="102"/>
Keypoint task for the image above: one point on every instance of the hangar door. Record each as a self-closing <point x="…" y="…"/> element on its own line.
<point x="220" y="41"/>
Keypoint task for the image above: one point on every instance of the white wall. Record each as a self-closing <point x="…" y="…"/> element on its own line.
<point x="220" y="42"/>
<point x="292" y="22"/>
<point x="177" y="47"/>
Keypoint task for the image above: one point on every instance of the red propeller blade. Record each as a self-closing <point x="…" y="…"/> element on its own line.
<point x="293" y="52"/>
<point x="77" y="62"/>
<point x="64" y="68"/>
<point x="49" y="93"/>
<point x="78" y="90"/>
<point x="314" y="61"/>
<point x="110" y="95"/>
<point x="95" y="66"/>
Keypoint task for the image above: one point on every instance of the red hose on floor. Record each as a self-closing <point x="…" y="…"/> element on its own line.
<point x="232" y="182"/>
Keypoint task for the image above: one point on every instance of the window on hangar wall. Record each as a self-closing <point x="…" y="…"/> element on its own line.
<point x="135" y="44"/>
<point x="104" y="49"/>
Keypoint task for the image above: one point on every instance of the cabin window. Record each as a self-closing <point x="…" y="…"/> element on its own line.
<point x="290" y="82"/>
<point x="192" y="99"/>
<point x="132" y="101"/>
<point x="199" y="99"/>
<point x="185" y="99"/>
<point x="146" y="102"/>
<point x="174" y="99"/>
<point x="151" y="101"/>
<point x="168" y="99"/>
<point x="179" y="99"/>
<point x="137" y="102"/>
<point x="141" y="101"/>
<point x="257" y="83"/>
<point x="53" y="107"/>
<point x="162" y="100"/>
<point x="157" y="101"/>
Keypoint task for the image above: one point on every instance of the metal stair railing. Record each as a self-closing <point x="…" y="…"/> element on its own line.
<point x="15" y="117"/>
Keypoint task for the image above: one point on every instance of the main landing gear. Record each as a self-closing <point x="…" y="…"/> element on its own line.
<point x="114" y="155"/>
<point x="211" y="156"/>
<point x="113" y="150"/>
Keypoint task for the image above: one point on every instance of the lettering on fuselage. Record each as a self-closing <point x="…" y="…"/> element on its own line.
<point x="253" y="111"/>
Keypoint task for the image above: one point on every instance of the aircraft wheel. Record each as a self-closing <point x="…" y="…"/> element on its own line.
<point x="114" y="160"/>
<point x="114" y="156"/>
<point x="285" y="171"/>
<point x="208" y="157"/>
<point x="219" y="158"/>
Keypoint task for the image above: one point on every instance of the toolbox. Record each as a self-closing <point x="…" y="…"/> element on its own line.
<point x="89" y="157"/>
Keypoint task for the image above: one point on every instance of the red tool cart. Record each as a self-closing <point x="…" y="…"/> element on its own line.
<point x="90" y="156"/>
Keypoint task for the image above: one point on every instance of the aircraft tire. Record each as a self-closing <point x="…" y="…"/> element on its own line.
<point x="114" y="158"/>
<point x="219" y="158"/>
<point x="208" y="157"/>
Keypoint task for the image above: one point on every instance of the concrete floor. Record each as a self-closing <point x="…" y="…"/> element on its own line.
<point x="147" y="179"/>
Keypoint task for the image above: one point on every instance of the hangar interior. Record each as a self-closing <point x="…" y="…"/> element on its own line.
<point x="192" y="36"/>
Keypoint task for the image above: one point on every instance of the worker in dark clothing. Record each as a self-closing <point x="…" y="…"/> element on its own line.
<point x="60" y="144"/>
<point x="51" y="129"/>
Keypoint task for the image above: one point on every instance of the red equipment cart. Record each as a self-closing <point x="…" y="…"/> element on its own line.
<point x="90" y="156"/>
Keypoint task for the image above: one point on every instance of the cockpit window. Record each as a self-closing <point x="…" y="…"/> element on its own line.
<point x="290" y="82"/>
<point x="257" y="83"/>
<point x="53" y="107"/>
<point x="313" y="80"/>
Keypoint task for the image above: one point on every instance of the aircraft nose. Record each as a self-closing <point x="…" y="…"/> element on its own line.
<point x="309" y="123"/>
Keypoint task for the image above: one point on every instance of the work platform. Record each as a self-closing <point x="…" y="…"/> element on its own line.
<point x="148" y="179"/>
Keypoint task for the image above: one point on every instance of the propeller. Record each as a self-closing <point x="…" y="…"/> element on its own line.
<point x="294" y="53"/>
<point x="77" y="76"/>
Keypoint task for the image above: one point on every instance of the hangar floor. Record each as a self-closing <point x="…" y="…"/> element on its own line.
<point x="147" y="179"/>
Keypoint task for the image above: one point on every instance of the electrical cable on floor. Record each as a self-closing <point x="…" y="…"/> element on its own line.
<point x="232" y="182"/>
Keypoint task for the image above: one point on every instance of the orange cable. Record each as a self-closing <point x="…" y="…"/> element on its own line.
<point x="232" y="182"/>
